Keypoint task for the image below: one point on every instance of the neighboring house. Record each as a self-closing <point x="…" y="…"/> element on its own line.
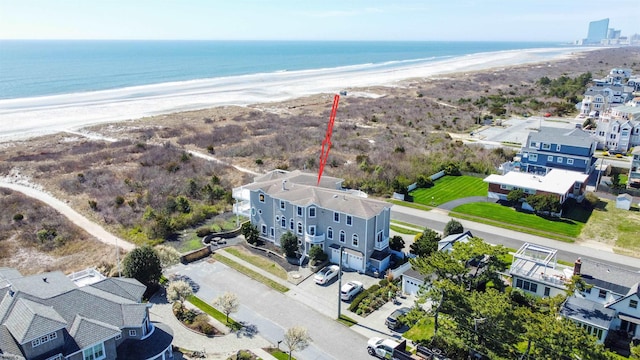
<point x="619" y="128"/>
<point x="609" y="304"/>
<point x="53" y="317"/>
<point x="634" y="170"/>
<point x="563" y="184"/>
<point x="325" y="215"/>
<point x="555" y="148"/>
<point x="412" y="280"/>
<point x="595" y="101"/>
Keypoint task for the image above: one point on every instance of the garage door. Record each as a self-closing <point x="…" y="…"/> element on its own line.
<point x="410" y="286"/>
<point x="355" y="262"/>
<point x="335" y="256"/>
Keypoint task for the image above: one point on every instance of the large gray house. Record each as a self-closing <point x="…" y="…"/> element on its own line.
<point x="324" y="215"/>
<point x="53" y="317"/>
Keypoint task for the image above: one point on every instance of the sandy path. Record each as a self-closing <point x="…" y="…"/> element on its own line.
<point x="87" y="225"/>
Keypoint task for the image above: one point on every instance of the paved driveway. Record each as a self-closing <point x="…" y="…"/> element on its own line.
<point x="468" y="200"/>
<point x="272" y="312"/>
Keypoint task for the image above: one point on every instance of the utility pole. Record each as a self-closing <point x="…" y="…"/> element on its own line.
<point x="340" y="283"/>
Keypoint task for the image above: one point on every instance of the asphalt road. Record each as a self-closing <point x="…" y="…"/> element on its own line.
<point x="566" y="251"/>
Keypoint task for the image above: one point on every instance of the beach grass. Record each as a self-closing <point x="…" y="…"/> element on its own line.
<point x="500" y="214"/>
<point x="613" y="226"/>
<point x="449" y="188"/>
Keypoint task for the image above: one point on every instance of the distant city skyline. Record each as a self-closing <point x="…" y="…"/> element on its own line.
<point x="412" y="20"/>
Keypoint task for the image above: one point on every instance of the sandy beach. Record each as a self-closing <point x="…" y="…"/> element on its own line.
<point x="29" y="117"/>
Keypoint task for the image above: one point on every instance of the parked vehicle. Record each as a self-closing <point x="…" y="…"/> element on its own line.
<point x="326" y="274"/>
<point x="393" y="322"/>
<point x="391" y="349"/>
<point x="350" y="290"/>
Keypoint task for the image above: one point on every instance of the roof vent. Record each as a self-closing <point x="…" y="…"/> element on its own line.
<point x="335" y="196"/>
<point x="45" y="280"/>
<point x="284" y="184"/>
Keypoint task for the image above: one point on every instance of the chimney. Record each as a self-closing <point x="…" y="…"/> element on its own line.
<point x="284" y="182"/>
<point x="577" y="266"/>
<point x="44" y="279"/>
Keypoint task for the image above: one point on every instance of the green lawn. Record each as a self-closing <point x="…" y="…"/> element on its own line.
<point x="259" y="261"/>
<point x="213" y="312"/>
<point x="250" y="273"/>
<point x="423" y="330"/>
<point x="616" y="227"/>
<point x="507" y="215"/>
<point x="450" y="188"/>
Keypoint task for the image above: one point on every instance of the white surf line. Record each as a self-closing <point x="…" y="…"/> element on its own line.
<point x="87" y="225"/>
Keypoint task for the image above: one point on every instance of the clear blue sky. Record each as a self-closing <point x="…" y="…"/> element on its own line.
<point x="500" y="20"/>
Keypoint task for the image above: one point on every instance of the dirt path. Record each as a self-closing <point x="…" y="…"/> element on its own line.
<point x="87" y="225"/>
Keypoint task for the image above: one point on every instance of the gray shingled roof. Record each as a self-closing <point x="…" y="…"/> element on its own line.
<point x="572" y="137"/>
<point x="8" y="344"/>
<point x="43" y="286"/>
<point x="29" y="320"/>
<point x="127" y="288"/>
<point x="335" y="200"/>
<point x="608" y="277"/>
<point x="592" y="92"/>
<point x="9" y="273"/>
<point x="87" y="332"/>
<point x="587" y="311"/>
<point x="299" y="177"/>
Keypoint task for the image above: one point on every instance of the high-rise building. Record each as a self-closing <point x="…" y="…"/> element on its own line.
<point x="613" y="34"/>
<point x="598" y="30"/>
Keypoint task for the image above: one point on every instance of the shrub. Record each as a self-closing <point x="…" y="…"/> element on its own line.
<point x="591" y="200"/>
<point x="203" y="231"/>
<point x="453" y="227"/>
<point x="289" y="244"/>
<point x="317" y="254"/>
<point x="93" y="205"/>
<point x="355" y="303"/>
<point x="119" y="200"/>
<point x="18" y="217"/>
<point x="424" y="181"/>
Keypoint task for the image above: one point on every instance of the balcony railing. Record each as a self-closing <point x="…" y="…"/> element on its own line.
<point x="314" y="239"/>
<point x="381" y="245"/>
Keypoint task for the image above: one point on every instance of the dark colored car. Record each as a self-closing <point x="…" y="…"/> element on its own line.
<point x="393" y="322"/>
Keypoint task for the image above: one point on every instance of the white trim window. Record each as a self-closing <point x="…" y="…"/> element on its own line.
<point x="132" y="333"/>
<point x="354" y="240"/>
<point x="300" y="212"/>
<point x="336" y="217"/>
<point x="569" y="161"/>
<point x="560" y="159"/>
<point x="291" y="224"/>
<point x="546" y="146"/>
<point x="558" y="147"/>
<point x="312" y="212"/>
<point x="263" y="231"/>
<point x="261" y="198"/>
<point x="119" y="336"/>
<point x="533" y="145"/>
<point x="283" y="222"/>
<point x="343" y="236"/>
<point x="299" y="228"/>
<point x="349" y="220"/>
<point x="95" y="352"/>
<point x="312" y="230"/>
<point x="44" y="339"/>
<point x="282" y="205"/>
<point x="533" y="157"/>
<point x="330" y="233"/>
<point x="550" y="158"/>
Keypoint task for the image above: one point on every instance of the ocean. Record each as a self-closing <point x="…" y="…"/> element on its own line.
<point x="52" y="86"/>
<point x="40" y="68"/>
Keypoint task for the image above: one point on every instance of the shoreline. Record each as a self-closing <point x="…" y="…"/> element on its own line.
<point x="26" y="118"/>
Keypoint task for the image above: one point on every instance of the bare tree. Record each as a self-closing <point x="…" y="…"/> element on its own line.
<point x="179" y="290"/>
<point x="296" y="338"/>
<point x="227" y="303"/>
<point x="168" y="255"/>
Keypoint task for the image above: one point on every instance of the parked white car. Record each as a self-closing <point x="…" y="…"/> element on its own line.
<point x="326" y="274"/>
<point x="350" y="290"/>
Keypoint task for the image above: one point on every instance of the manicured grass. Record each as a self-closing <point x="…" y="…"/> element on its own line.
<point x="258" y="261"/>
<point x="410" y="204"/>
<point x="406" y="224"/>
<point x="347" y="321"/>
<point x="211" y="311"/>
<point x="404" y="230"/>
<point x="278" y="354"/>
<point x="250" y="273"/>
<point x="450" y="188"/>
<point x="423" y="330"/>
<point x="508" y="215"/>
<point x="194" y="243"/>
<point x="613" y="226"/>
